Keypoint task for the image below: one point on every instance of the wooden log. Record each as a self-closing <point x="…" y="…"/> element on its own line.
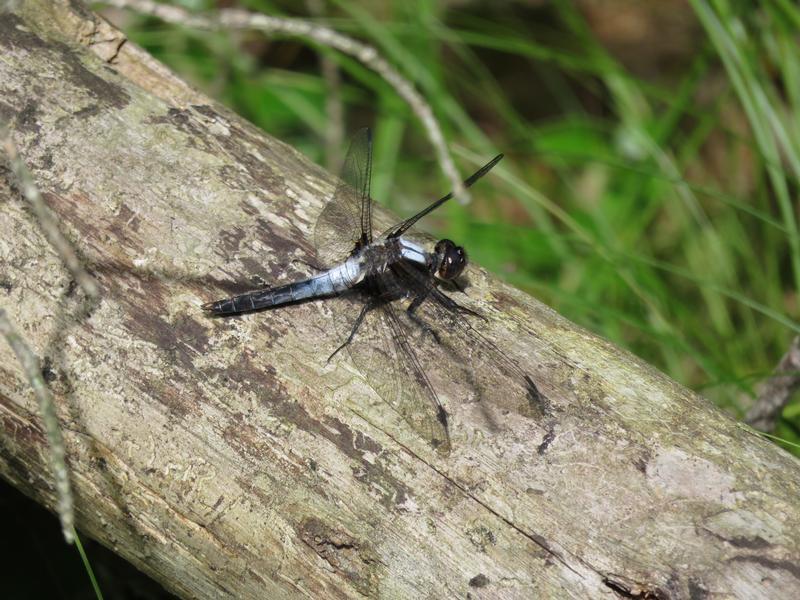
<point x="227" y="459"/>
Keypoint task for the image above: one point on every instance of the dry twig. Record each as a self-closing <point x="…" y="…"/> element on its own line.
<point x="33" y="372"/>
<point x="776" y="391"/>
<point x="27" y="358"/>
<point x="334" y="135"/>
<point x="365" y="54"/>
<point x="45" y="219"/>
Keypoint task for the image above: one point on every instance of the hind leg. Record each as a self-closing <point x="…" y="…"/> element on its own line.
<point x="360" y="319"/>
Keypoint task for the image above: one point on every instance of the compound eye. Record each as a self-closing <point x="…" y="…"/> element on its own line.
<point x="453" y="258"/>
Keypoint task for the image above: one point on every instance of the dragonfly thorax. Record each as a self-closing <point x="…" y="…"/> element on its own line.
<point x="387" y="271"/>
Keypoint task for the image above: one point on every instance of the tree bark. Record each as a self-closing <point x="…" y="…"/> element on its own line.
<point x="226" y="459"/>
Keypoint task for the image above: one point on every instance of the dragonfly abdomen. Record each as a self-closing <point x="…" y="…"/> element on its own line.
<point x="330" y="282"/>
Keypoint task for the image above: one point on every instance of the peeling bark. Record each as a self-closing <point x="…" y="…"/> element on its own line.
<point x="226" y="459"/>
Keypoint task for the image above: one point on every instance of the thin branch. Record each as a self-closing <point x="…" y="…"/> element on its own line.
<point x="33" y="372"/>
<point x="776" y="391"/>
<point x="365" y="54"/>
<point x="334" y="108"/>
<point x="45" y="218"/>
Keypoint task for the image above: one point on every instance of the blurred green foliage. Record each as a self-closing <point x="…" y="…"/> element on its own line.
<point x="649" y="192"/>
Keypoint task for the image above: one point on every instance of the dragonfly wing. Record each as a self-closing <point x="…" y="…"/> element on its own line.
<point x="347" y="217"/>
<point x="387" y="350"/>
<point x="458" y="328"/>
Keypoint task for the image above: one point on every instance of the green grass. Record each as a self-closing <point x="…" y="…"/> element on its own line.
<point x="658" y="212"/>
<point x="86" y="565"/>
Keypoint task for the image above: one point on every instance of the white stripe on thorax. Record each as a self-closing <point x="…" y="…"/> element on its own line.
<point x="413" y="252"/>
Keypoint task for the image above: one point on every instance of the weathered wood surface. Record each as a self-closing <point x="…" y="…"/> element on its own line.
<point x="226" y="459"/>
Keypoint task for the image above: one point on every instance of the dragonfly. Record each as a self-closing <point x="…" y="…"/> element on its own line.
<point x="399" y="325"/>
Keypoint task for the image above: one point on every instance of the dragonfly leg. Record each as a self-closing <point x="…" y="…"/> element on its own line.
<point x="453" y="305"/>
<point x="459" y="286"/>
<point x="260" y="282"/>
<point x="311" y="265"/>
<point x="412" y="314"/>
<point x="364" y="310"/>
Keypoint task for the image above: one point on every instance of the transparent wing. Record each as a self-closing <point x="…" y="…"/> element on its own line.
<point x="487" y="367"/>
<point x="347" y="217"/>
<point x="386" y="349"/>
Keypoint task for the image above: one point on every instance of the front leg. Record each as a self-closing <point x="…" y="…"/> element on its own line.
<point x="454" y="306"/>
<point x="412" y="314"/>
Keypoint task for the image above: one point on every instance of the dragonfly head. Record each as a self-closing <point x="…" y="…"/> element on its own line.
<point x="451" y="259"/>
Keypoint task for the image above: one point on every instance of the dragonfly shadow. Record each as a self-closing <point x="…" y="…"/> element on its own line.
<point x="409" y="356"/>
